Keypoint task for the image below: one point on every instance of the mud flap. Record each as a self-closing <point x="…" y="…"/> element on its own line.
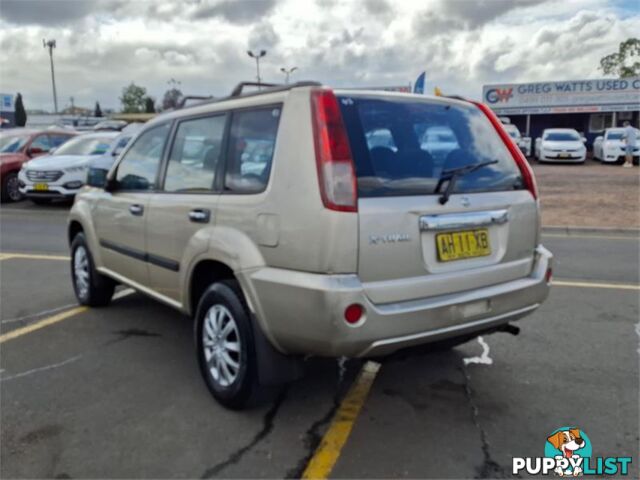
<point x="274" y="367"/>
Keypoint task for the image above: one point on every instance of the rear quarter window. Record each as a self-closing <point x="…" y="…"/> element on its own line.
<point x="402" y="146"/>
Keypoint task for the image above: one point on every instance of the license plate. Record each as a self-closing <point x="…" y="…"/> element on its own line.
<point x="465" y="244"/>
<point x="41" y="187"/>
<point x="563" y="155"/>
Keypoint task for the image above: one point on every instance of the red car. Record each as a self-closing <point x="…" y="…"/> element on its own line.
<point x="17" y="146"/>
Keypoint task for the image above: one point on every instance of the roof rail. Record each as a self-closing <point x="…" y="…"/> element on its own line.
<point x="269" y="87"/>
<point x="184" y="100"/>
<point x="237" y="91"/>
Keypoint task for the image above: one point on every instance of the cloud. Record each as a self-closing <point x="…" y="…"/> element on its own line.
<point x="46" y="12"/>
<point x="104" y="45"/>
<point x="240" y="12"/>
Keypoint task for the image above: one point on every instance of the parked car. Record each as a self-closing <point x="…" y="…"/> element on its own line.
<point x="106" y="160"/>
<point x="19" y="145"/>
<point x="524" y="143"/>
<point x="329" y="246"/>
<point x="610" y="147"/>
<point x="561" y="145"/>
<point x="62" y="173"/>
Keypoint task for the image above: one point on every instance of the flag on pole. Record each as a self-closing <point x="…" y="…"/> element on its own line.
<point x="418" y="87"/>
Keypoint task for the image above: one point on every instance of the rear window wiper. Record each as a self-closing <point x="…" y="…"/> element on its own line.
<point x="452" y="175"/>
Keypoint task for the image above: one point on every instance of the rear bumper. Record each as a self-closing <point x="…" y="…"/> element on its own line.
<point x="302" y="313"/>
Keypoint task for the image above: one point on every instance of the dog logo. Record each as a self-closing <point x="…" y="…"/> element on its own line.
<point x="567" y="453"/>
<point x="570" y="444"/>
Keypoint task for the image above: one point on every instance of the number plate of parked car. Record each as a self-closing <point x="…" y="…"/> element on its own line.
<point x="464" y="244"/>
<point x="41" y="187"/>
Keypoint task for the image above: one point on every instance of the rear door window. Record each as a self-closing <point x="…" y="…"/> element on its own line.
<point x="195" y="155"/>
<point x="423" y="140"/>
<point x="252" y="140"/>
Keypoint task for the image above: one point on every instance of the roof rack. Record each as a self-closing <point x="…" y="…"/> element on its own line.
<point x="184" y="100"/>
<point x="268" y="88"/>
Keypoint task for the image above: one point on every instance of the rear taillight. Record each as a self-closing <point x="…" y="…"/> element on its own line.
<point x="333" y="156"/>
<point x="516" y="153"/>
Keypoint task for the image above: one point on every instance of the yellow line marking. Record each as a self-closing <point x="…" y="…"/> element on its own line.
<point x="615" y="286"/>
<point x="328" y="452"/>
<point x="18" y="332"/>
<point x="34" y="256"/>
<point x="603" y="237"/>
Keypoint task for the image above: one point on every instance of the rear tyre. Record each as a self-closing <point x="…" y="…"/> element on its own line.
<point x="91" y="288"/>
<point x="10" y="190"/>
<point x="225" y="345"/>
<point x="41" y="201"/>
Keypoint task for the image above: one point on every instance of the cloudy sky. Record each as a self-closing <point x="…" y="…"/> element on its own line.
<point x="103" y="45"/>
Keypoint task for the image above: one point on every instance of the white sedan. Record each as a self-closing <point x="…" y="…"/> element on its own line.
<point x="564" y="145"/>
<point x="62" y="173"/>
<point x="524" y="143"/>
<point x="610" y="147"/>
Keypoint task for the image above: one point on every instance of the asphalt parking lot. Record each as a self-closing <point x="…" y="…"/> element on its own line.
<point x="116" y="392"/>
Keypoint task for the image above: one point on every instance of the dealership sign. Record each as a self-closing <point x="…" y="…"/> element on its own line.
<point x="6" y="102"/>
<point x="564" y="97"/>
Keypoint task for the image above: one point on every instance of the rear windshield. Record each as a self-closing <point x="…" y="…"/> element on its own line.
<point x="402" y="146"/>
<point x="562" y="137"/>
<point x="614" y="136"/>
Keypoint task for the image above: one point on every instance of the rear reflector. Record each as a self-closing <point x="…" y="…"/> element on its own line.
<point x="548" y="275"/>
<point x="353" y="313"/>
<point x="516" y="153"/>
<point x="333" y="156"/>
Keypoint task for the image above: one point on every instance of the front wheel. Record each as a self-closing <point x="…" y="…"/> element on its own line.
<point x="91" y="288"/>
<point x="225" y="346"/>
<point x="10" y="188"/>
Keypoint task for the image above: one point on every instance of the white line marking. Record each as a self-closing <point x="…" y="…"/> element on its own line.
<point x="38" y="314"/>
<point x="614" y="286"/>
<point x="484" y="358"/>
<point x="41" y="369"/>
<point x="118" y="295"/>
<point x="601" y="237"/>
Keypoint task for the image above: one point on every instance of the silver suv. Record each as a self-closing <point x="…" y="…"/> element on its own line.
<point x="299" y="220"/>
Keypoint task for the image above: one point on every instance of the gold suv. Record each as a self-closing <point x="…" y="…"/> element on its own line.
<point x="298" y="220"/>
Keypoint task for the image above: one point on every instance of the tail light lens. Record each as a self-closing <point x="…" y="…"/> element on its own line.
<point x="516" y="153"/>
<point x="333" y="156"/>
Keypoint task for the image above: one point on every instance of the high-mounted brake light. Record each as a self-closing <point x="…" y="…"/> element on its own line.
<point x="336" y="173"/>
<point x="516" y="153"/>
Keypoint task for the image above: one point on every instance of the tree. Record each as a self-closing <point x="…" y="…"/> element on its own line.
<point x="21" y="114"/>
<point x="133" y="99"/>
<point x="149" y="106"/>
<point x="619" y="63"/>
<point x="98" y="111"/>
<point x="171" y="98"/>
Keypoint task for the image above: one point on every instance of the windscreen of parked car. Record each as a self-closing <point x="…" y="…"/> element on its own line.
<point x="12" y="143"/>
<point x="402" y="146"/>
<point x="562" y="137"/>
<point x="615" y="135"/>
<point x="85" y="146"/>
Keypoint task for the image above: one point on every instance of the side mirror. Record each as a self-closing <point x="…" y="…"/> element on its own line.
<point x="584" y="140"/>
<point x="97" y="177"/>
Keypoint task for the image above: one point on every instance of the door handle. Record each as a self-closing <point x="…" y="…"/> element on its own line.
<point x="136" y="209"/>
<point x="200" y="215"/>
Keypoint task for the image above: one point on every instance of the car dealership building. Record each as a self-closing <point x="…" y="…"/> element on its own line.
<point x="589" y="106"/>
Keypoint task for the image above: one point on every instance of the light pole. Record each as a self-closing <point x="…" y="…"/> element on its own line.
<point x="257" y="56"/>
<point x="51" y="44"/>
<point x="287" y="72"/>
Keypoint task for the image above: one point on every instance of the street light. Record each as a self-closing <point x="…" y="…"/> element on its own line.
<point x="287" y="72"/>
<point x="51" y="44"/>
<point x="257" y="56"/>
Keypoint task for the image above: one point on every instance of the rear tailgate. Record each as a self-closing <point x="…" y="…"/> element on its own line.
<point x="411" y="245"/>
